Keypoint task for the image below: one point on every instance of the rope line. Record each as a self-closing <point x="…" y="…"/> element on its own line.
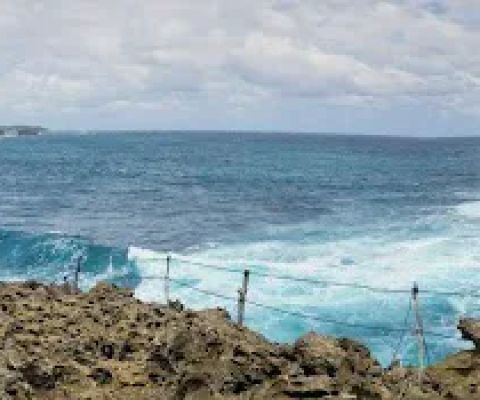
<point x="303" y="315"/>
<point x="329" y="282"/>
<point x="402" y="331"/>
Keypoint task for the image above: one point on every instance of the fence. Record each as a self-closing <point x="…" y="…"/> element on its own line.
<point x="242" y="300"/>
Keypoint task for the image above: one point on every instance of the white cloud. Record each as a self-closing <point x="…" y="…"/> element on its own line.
<point x="151" y="54"/>
<point x="277" y="62"/>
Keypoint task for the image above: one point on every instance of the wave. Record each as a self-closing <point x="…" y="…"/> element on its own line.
<point x="437" y="263"/>
<point x="52" y="257"/>
<point x="149" y="263"/>
<point x="440" y="262"/>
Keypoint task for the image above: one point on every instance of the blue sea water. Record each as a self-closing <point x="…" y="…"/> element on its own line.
<point x="361" y="210"/>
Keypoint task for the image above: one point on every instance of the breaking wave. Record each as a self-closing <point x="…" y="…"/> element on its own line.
<point x="441" y="263"/>
<point x="445" y="262"/>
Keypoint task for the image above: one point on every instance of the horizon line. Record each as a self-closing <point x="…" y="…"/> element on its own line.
<point x="264" y="131"/>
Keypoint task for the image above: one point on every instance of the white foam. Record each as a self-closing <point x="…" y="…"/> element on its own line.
<point x="392" y="260"/>
<point x="151" y="264"/>
<point x="390" y="264"/>
<point x="470" y="209"/>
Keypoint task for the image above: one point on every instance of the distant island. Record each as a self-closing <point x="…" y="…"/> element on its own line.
<point x="21" y="130"/>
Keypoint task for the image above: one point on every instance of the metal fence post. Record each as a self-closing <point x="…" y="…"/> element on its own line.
<point x="66" y="285"/>
<point x="167" y="281"/>
<point x="76" y="276"/>
<point x="242" y="297"/>
<point x="419" y="331"/>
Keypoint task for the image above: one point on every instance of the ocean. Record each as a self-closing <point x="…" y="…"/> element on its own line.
<point x="340" y="214"/>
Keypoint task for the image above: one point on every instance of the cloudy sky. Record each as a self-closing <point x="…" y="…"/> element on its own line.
<point x="388" y="67"/>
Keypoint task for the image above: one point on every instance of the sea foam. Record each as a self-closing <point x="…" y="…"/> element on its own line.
<point x="436" y="263"/>
<point x="470" y="209"/>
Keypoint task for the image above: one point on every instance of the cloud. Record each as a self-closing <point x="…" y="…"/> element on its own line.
<point x="181" y="55"/>
<point x="293" y="70"/>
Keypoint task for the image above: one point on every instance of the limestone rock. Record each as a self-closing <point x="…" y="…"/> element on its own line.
<point x="105" y="344"/>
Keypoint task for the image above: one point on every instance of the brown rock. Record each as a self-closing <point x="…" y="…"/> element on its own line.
<point x="105" y="344"/>
<point x="470" y="329"/>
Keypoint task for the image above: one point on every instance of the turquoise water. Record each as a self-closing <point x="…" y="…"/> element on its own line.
<point x="375" y="211"/>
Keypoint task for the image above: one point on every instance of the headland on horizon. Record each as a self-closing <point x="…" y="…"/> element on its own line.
<point x="21" y="130"/>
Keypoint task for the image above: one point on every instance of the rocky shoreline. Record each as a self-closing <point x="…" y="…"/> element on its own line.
<point x="105" y="344"/>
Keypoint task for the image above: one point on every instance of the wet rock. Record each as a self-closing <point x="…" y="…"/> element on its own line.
<point x="470" y="329"/>
<point x="176" y="305"/>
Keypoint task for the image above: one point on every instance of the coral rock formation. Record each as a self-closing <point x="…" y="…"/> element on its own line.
<point x="105" y="344"/>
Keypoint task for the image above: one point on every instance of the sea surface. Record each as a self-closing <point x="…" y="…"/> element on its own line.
<point x="359" y="211"/>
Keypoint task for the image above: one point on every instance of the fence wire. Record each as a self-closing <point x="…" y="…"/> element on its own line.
<point x="401" y="331"/>
<point x="379" y="328"/>
<point x="324" y="282"/>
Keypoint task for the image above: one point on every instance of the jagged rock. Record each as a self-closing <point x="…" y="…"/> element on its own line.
<point x="342" y="358"/>
<point x="105" y="344"/>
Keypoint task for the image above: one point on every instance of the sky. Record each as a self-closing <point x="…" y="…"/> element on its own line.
<point x="400" y="67"/>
